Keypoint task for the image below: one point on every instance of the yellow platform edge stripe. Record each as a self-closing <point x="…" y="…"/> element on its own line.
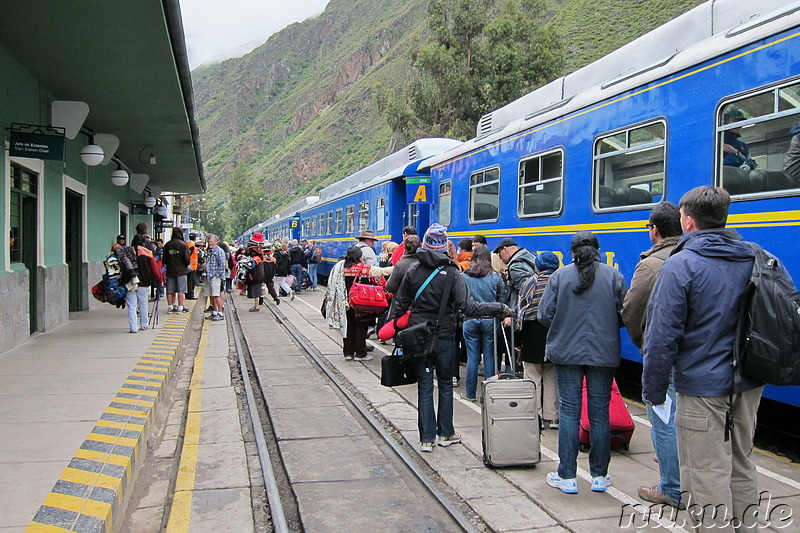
<point x="173" y="332"/>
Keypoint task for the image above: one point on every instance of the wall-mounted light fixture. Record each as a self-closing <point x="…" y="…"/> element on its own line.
<point x="162" y="211"/>
<point x="92" y="154"/>
<point x="120" y="176"/>
<point x="150" y="201"/>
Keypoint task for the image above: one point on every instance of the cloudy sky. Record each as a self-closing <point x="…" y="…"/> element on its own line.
<point x="217" y="29"/>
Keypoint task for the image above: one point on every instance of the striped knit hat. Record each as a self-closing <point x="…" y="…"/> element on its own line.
<point x="435" y="238"/>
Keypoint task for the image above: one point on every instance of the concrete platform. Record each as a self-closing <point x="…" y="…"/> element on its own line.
<point x="75" y="409"/>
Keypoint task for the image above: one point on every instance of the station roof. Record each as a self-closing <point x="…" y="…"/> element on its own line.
<point x="127" y="61"/>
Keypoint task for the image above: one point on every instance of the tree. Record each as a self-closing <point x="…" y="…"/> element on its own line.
<point x="481" y="57"/>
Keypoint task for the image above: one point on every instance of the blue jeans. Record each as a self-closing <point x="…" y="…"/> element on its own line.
<point x="570" y="387"/>
<point x="137" y="301"/>
<point x="479" y="337"/>
<point x="297" y="273"/>
<point x="665" y="441"/>
<point x="431" y="423"/>
<point x="312" y="274"/>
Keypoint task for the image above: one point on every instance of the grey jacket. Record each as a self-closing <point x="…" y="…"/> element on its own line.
<point x="520" y="268"/>
<point x="584" y="328"/>
<point x="634" y="308"/>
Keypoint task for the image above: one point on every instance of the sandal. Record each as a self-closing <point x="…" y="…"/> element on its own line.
<point x="254" y="309"/>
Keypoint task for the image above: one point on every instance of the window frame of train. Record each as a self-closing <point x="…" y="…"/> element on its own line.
<point x="768" y="113"/>
<point x="338" y="221"/>
<point x="544" y="184"/>
<point x="350" y="219"/>
<point x="622" y="143"/>
<point x="479" y="180"/>
<point x="444" y="208"/>
<point x="363" y="215"/>
<point x="321" y="226"/>
<point x="314" y="225"/>
<point x="380" y="214"/>
<point x="329" y="223"/>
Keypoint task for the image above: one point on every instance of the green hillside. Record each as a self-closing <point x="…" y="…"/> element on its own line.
<point x="298" y="113"/>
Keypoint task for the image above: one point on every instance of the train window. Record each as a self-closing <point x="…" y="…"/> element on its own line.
<point x="484" y="195"/>
<point x="338" y="221"/>
<point x="321" y="228"/>
<point x="363" y="216"/>
<point x="313" y="225"/>
<point x="380" y="214"/>
<point x="445" y="207"/>
<point x="629" y="167"/>
<point x="329" y="225"/>
<point x="350" y="219"/>
<point x="759" y="143"/>
<point x="541" y="182"/>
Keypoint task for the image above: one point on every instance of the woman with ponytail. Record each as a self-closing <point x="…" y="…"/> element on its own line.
<point x="581" y="306"/>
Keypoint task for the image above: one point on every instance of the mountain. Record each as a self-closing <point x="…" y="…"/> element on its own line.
<point x="297" y="113"/>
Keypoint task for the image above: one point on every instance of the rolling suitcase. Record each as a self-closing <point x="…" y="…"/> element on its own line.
<point x="511" y="425"/>
<point x="622" y="425"/>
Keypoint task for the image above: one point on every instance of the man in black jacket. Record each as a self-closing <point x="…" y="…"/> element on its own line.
<point x="435" y="264"/>
<point x="297" y="264"/>
<point x="176" y="261"/>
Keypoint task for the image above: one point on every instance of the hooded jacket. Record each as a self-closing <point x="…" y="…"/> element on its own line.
<point x="521" y="266"/>
<point x="426" y="307"/>
<point x="692" y="315"/>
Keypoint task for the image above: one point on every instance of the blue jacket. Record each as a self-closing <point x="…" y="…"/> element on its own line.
<point x="489" y="288"/>
<point x="584" y="328"/>
<point x="692" y="315"/>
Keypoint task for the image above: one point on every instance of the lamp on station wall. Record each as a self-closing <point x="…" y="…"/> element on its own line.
<point x="150" y="201"/>
<point x="92" y="154"/>
<point x="162" y="211"/>
<point x="120" y="176"/>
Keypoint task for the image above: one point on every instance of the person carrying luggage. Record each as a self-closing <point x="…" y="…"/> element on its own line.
<point x="533" y="339"/>
<point x="437" y="270"/>
<point x="581" y="307"/>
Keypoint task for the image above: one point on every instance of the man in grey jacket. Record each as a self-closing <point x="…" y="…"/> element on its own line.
<point x="664" y="229"/>
<point x="691" y="328"/>
<point x="521" y="266"/>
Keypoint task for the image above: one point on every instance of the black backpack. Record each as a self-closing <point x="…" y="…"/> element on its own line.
<point x="768" y="331"/>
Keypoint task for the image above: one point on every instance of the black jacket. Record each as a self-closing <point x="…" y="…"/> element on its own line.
<point x="297" y="257"/>
<point x="281" y="263"/>
<point x="426" y="307"/>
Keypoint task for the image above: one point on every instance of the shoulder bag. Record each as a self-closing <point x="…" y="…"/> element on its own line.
<point x="367" y="299"/>
<point x="420" y="340"/>
<point x="396" y="371"/>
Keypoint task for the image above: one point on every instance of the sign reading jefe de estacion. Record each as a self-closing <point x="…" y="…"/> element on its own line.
<point x="38" y="142"/>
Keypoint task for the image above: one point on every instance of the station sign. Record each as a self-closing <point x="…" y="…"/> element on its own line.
<point x="294" y="222"/>
<point x="418" y="190"/>
<point x="37" y="142"/>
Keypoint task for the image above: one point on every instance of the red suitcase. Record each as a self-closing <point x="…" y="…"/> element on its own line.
<point x="621" y="422"/>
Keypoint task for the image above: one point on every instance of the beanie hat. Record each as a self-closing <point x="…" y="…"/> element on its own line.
<point x="435" y="238"/>
<point x="546" y="261"/>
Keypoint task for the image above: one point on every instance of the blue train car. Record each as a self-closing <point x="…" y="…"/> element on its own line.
<point x="596" y="149"/>
<point x="374" y="199"/>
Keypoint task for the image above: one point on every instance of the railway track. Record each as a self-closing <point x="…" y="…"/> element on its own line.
<point x="298" y="483"/>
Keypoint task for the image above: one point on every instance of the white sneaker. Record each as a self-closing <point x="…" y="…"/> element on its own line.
<point x="426" y="447"/>
<point x="601" y="483"/>
<point x="292" y="296"/>
<point x="567" y="486"/>
<point x="452" y="439"/>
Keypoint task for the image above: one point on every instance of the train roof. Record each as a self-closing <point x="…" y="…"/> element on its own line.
<point x="699" y="34"/>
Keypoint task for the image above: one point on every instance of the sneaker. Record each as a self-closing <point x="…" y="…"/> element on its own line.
<point x="469" y="399"/>
<point x="134" y="331"/>
<point x="172" y="309"/>
<point x="601" y="483"/>
<point x="370" y="347"/>
<point x="217" y="318"/>
<point x="142" y="328"/>
<point x="365" y="357"/>
<point x="292" y="298"/>
<point x="567" y="486"/>
<point x="211" y="316"/>
<point x="554" y="424"/>
<point x="254" y="309"/>
<point x="348" y="357"/>
<point x="208" y="309"/>
<point x="184" y="310"/>
<point x="455" y="381"/>
<point x="452" y="439"/>
<point x="277" y="301"/>
<point x="426" y="447"/>
<point x="654" y="495"/>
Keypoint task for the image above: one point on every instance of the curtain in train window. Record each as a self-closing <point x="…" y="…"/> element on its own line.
<point x="629" y="167"/>
<point x="350" y="219"/>
<point x="363" y="216"/>
<point x="445" y="207"/>
<point x="380" y="215"/>
<point x="329" y="223"/>
<point x="541" y="184"/>
<point x="314" y="225"/>
<point x="484" y="195"/>
<point x="758" y="139"/>
<point x="338" y="221"/>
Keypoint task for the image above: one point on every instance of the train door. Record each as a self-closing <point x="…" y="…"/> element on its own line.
<point x="73" y="232"/>
<point x="24" y="230"/>
<point x="419" y="216"/>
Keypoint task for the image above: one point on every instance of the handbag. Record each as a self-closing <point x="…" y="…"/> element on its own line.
<point x="368" y="300"/>
<point x="420" y="340"/>
<point x="395" y="371"/>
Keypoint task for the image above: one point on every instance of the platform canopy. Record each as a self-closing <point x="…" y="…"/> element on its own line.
<point x="125" y="59"/>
